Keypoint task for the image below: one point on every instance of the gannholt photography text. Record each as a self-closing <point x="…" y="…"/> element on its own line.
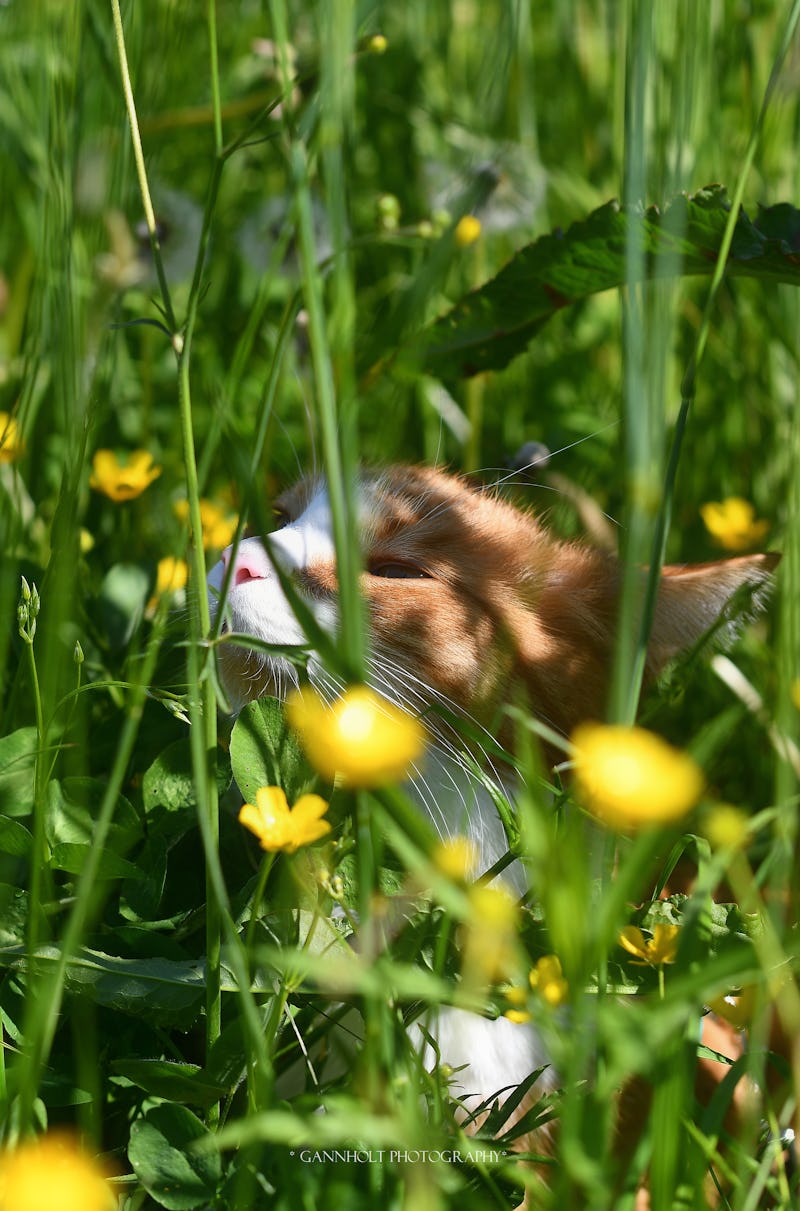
<point x="400" y="673"/>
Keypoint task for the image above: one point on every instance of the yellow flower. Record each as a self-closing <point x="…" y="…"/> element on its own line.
<point x="630" y="778"/>
<point x="51" y="1173"/>
<point x="468" y="230"/>
<point x="362" y="738"/>
<point x="377" y="44"/>
<point x="456" y="857"/>
<point x="11" y="443"/>
<point x="122" y="481"/>
<point x="547" y="979"/>
<point x="171" y="576"/>
<point x="732" y="523"/>
<point x="737" y="1008"/>
<point x="726" y="826"/>
<point x="517" y="997"/>
<point x="280" y="828"/>
<point x="217" y="524"/>
<point x="489" y="937"/>
<point x="661" y="948"/>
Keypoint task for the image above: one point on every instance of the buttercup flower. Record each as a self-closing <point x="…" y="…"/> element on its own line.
<point x="11" y="443"/>
<point x="218" y="526"/>
<point x="517" y="997"/>
<point x="362" y="738"/>
<point x="726" y="826"/>
<point x="732" y="523"/>
<point x="489" y="937"/>
<point x="468" y="230"/>
<point x="171" y="575"/>
<point x="122" y="481"/>
<point x="51" y="1173"/>
<point x="547" y="979"/>
<point x="630" y="778"/>
<point x="456" y="857"/>
<point x="279" y="827"/>
<point x="661" y="948"/>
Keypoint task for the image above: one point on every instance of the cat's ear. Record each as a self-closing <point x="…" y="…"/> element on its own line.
<point x="693" y="598"/>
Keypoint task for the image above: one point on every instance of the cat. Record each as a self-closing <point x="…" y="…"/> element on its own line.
<point x="471" y="605"/>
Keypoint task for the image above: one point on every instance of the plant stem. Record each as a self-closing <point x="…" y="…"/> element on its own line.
<point x="215" y="91"/>
<point x="141" y="171"/>
<point x="38" y="858"/>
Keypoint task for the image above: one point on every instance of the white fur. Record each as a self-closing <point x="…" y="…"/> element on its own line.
<point x="489" y="1055"/>
<point x="492" y="1054"/>
<point x="259" y="607"/>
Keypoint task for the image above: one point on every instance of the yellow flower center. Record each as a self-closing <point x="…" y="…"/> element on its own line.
<point x="630" y="777"/>
<point x="362" y="739"/>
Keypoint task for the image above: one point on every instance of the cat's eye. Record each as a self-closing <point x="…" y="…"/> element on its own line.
<point x="397" y="570"/>
<point x="280" y="518"/>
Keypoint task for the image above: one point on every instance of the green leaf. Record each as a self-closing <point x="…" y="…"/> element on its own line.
<point x="166" y="992"/>
<point x="169" y="785"/>
<point x="17" y="762"/>
<point x="13" y="915"/>
<point x="72" y="810"/>
<point x="176" y="1082"/>
<point x="265" y="752"/>
<point x="141" y="895"/>
<point x="493" y="324"/>
<point x="123" y="595"/>
<point x="73" y="858"/>
<point x="15" y="838"/>
<point x="171" y="1171"/>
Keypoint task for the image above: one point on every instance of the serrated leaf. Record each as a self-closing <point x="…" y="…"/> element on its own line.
<point x="493" y="324"/>
<point x="168" y="1166"/>
<point x="265" y="752"/>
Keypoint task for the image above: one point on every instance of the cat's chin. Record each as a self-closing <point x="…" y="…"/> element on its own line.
<point x="247" y="675"/>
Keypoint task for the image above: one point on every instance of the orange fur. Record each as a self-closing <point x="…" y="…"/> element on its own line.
<point x="490" y="610"/>
<point x="507" y="612"/>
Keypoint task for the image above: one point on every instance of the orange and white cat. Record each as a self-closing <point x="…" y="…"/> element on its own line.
<point x="471" y="605"/>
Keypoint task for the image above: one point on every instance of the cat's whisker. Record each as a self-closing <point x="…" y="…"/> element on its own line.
<point x="473" y="607"/>
<point x="429" y="696"/>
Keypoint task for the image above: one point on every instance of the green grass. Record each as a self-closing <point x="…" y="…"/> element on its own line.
<point x="278" y="289"/>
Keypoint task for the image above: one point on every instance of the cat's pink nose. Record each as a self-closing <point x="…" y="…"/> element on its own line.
<point x="251" y="563"/>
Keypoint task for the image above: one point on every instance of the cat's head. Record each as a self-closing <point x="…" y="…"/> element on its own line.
<point x="469" y="600"/>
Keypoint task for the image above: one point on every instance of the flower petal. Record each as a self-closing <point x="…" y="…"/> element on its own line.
<point x="664" y="946"/>
<point x="632" y="939"/>
<point x="362" y="738"/>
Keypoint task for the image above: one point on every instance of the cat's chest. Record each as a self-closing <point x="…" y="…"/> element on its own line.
<point x="458" y="804"/>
